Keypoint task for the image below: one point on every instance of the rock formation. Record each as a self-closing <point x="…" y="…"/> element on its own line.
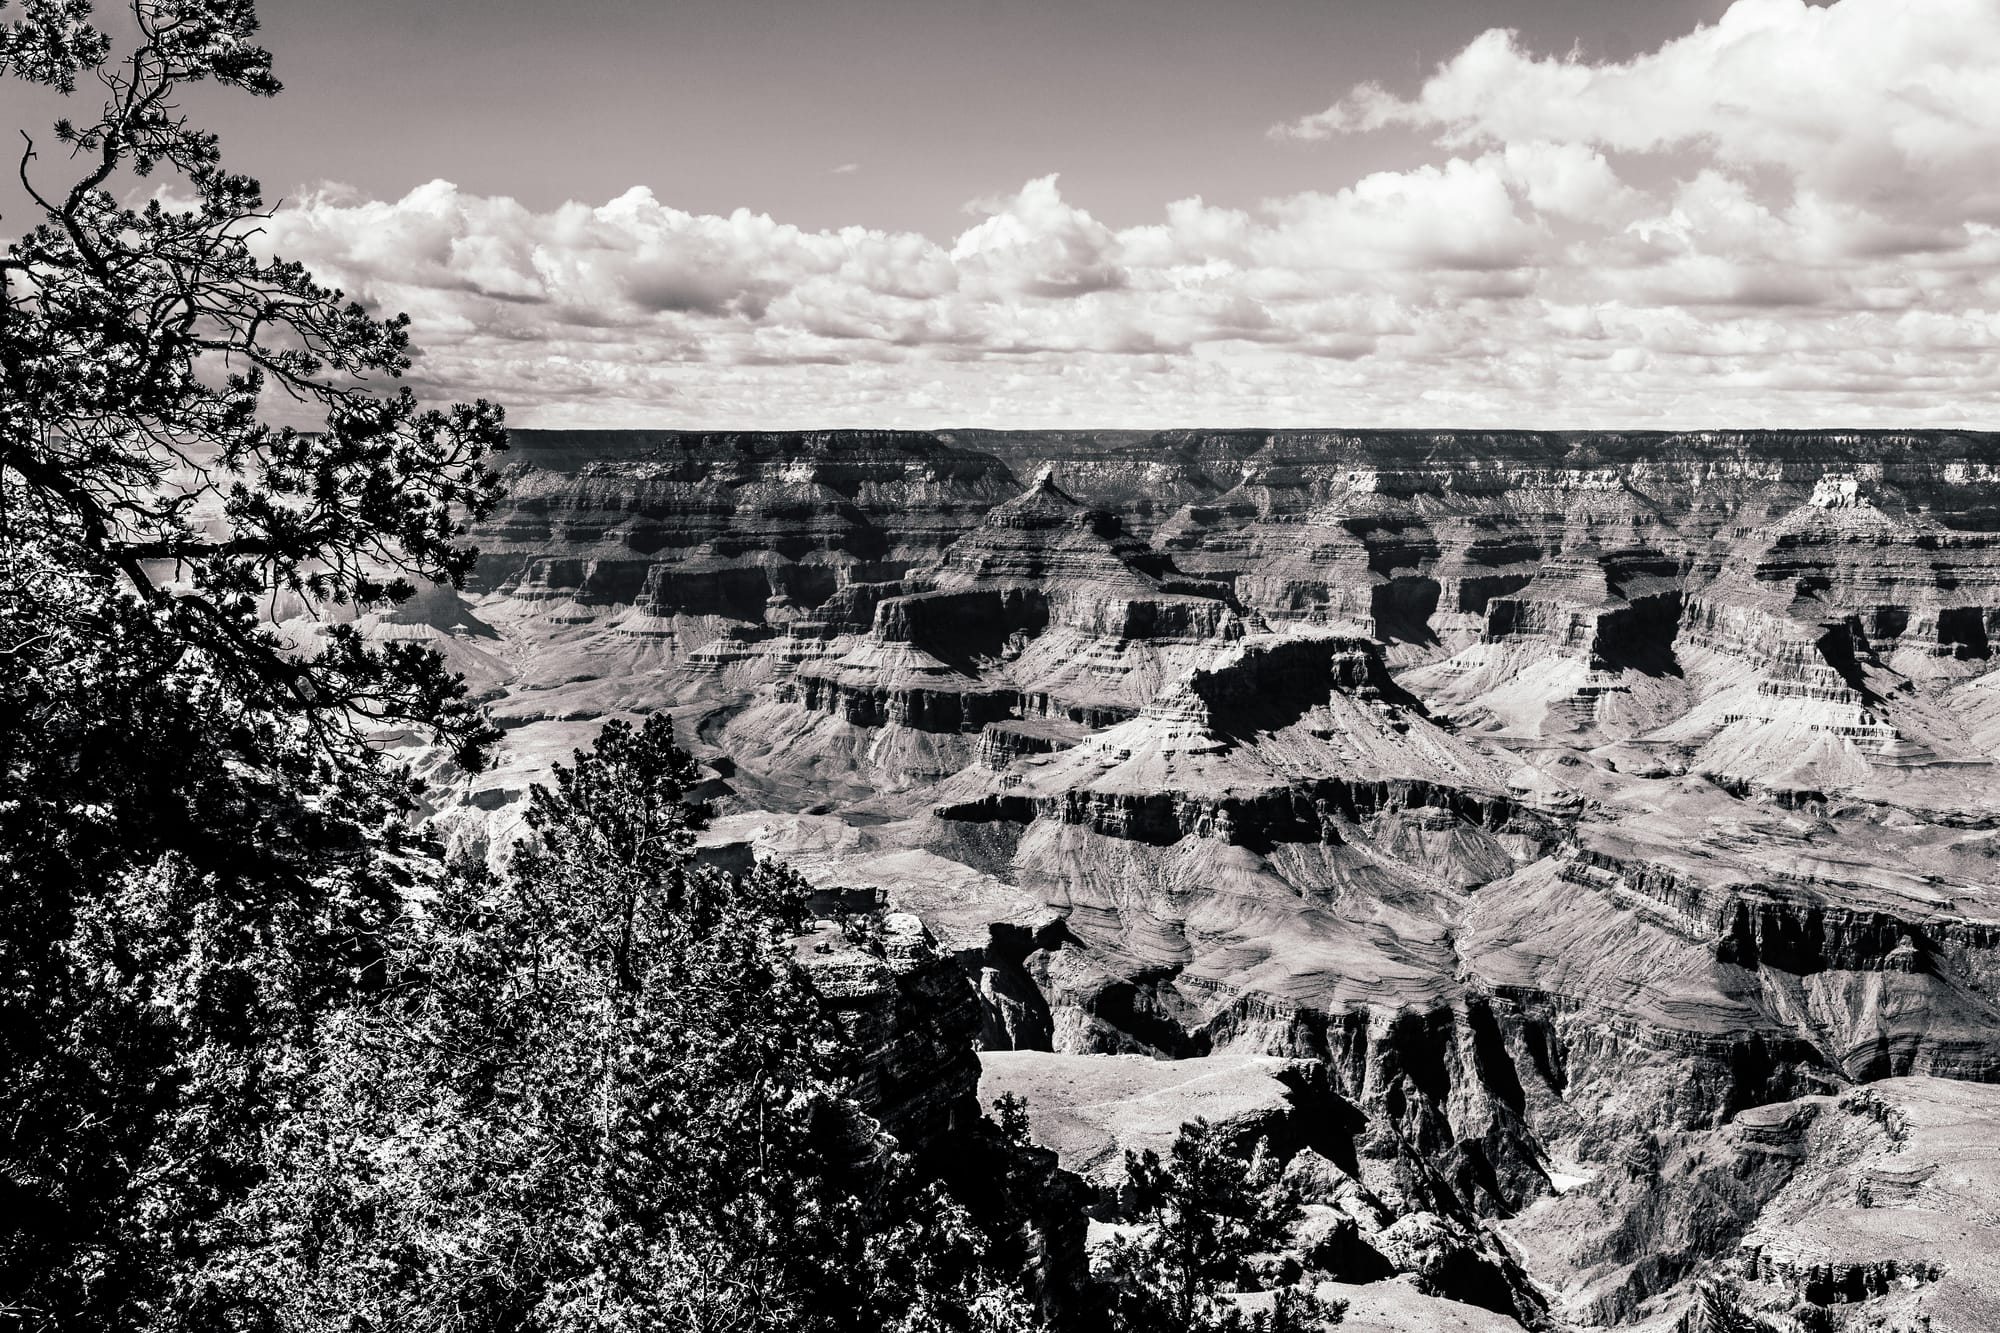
<point x="1544" y="841"/>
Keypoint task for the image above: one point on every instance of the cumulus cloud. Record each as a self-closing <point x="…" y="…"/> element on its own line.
<point x="1881" y="102"/>
<point x="1037" y="244"/>
<point x="1780" y="218"/>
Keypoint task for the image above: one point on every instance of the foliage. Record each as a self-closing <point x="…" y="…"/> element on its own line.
<point x="138" y="346"/>
<point x="200" y="855"/>
<point x="1010" y="1114"/>
<point x="606" y="1099"/>
<point x="1717" y="1309"/>
<point x="1210" y="1221"/>
<point x="174" y="924"/>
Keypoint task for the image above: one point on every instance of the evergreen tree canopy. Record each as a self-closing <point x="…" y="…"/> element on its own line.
<point x="140" y="349"/>
<point x="200" y="855"/>
<point x="1210" y="1219"/>
<point x="599" y="1101"/>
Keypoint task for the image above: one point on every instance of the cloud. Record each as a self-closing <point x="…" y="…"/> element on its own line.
<point x="845" y="169"/>
<point x="1780" y="218"/>
<point x="1862" y="100"/>
<point x="1038" y="245"/>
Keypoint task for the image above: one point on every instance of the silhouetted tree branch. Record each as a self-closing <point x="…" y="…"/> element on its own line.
<point x="138" y="346"/>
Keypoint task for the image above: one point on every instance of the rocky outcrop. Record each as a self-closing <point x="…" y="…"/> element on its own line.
<point x="1094" y="1110"/>
<point x="1781" y="1205"/>
<point x="907" y="1012"/>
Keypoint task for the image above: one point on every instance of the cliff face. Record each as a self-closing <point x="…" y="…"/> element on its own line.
<point x="1551" y="795"/>
<point x="1828" y="1212"/>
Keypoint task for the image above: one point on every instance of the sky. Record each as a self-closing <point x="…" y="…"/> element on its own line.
<point x="782" y="213"/>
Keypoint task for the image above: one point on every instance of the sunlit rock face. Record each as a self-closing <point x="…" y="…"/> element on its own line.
<point x="1542" y="802"/>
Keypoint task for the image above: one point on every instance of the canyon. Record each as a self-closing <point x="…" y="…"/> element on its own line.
<point x="1574" y="853"/>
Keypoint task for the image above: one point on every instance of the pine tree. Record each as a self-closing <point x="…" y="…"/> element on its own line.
<point x="602" y="1103"/>
<point x="1716" y="1308"/>
<point x="200" y="849"/>
<point x="140" y="349"/>
<point x="1210" y="1218"/>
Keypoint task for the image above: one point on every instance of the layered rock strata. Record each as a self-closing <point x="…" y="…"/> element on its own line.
<point x="1561" y="801"/>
